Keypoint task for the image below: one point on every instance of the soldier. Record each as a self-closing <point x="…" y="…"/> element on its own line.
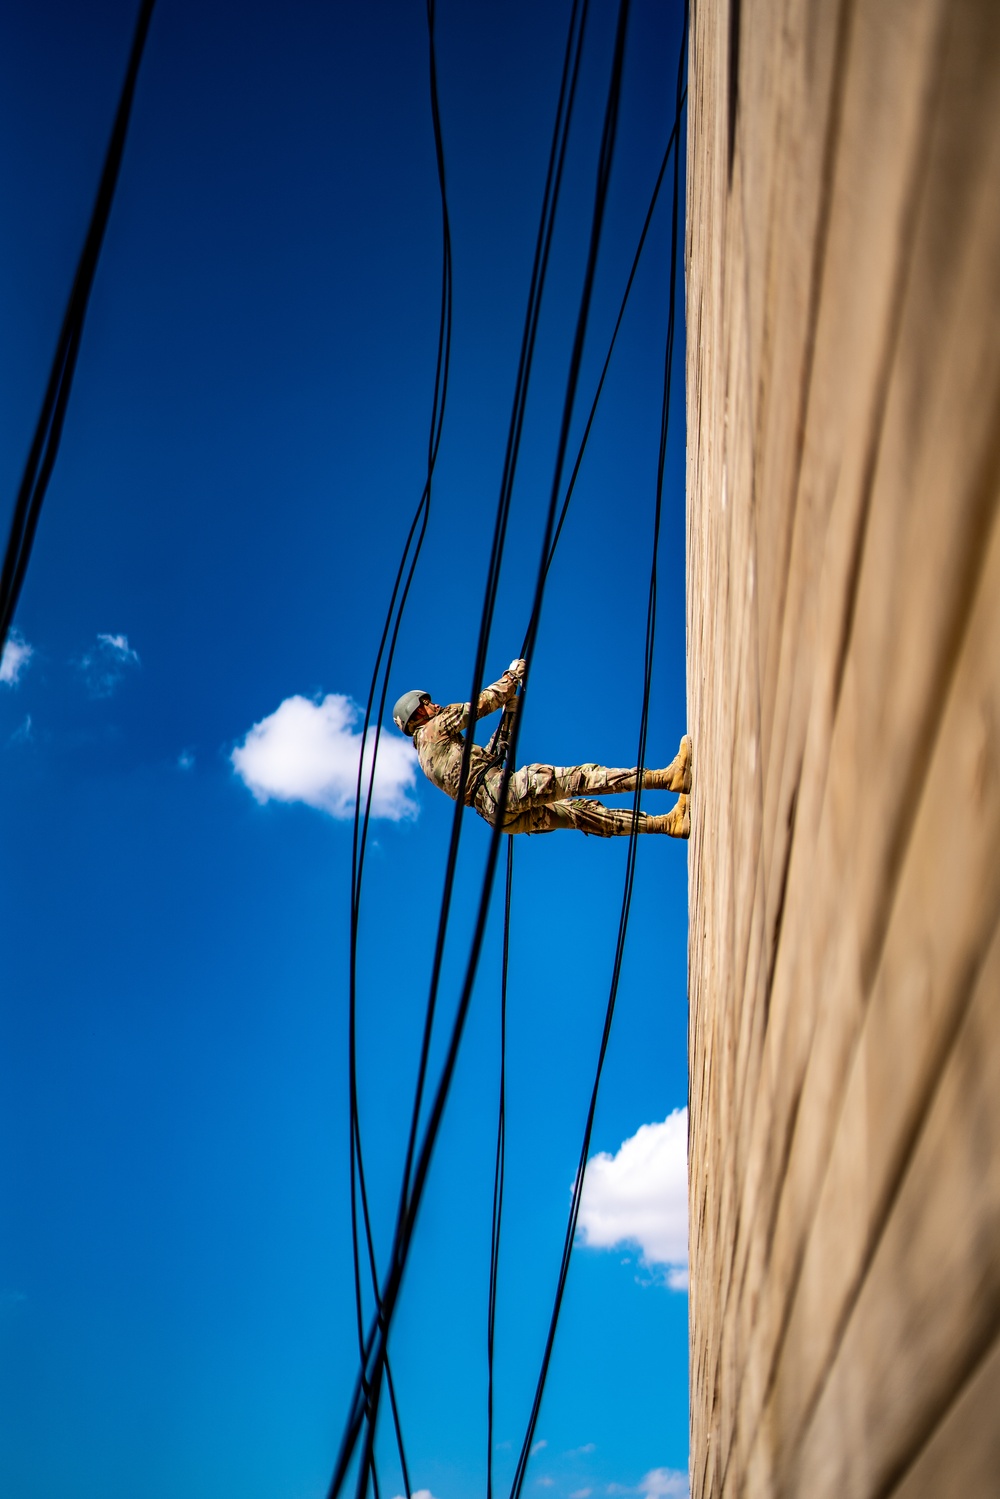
<point x="540" y="798"/>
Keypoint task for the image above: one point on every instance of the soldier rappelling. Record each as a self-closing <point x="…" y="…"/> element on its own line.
<point x="540" y="798"/>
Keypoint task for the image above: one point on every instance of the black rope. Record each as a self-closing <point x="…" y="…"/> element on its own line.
<point x="381" y="674"/>
<point x="48" y="430"/>
<point x="410" y="1201"/>
<point x="557" y="154"/>
<point x="500" y="742"/>
<point x="412" y="1186"/>
<point x="498" y="1175"/>
<point x="498" y="746"/>
<point x="422" y="1161"/>
<point x="671" y="142"/>
<point x="570" y="1234"/>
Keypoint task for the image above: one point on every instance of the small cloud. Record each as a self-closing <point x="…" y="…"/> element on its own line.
<point x="545" y="1483"/>
<point x="660" y="1483"/>
<point x="105" y="664"/>
<point x="639" y="1196"/>
<point x="581" y="1494"/>
<point x="664" y="1483"/>
<point x="185" y="760"/>
<point x="418" y="1494"/>
<point x="538" y="1446"/>
<point x="118" y="646"/>
<point x="501" y="1446"/>
<point x="307" y="751"/>
<point x="23" y="734"/>
<point x="582" y="1451"/>
<point x="16" y="655"/>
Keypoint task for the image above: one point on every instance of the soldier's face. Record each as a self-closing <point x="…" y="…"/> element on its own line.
<point x="426" y="710"/>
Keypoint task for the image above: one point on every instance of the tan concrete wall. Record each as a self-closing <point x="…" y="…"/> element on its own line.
<point x="843" y="273"/>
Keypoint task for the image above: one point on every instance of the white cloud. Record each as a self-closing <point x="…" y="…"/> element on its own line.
<point x="537" y="1447"/>
<point x="660" y="1483"/>
<point x="16" y="655"/>
<point x="185" y="760"/>
<point x="104" y="665"/>
<point x="545" y="1483"/>
<point x="24" y="733"/>
<point x="639" y="1196"/>
<point x="307" y="751"/>
<point x="118" y="646"/>
<point x="418" y="1494"/>
<point x="580" y="1451"/>
<point x="664" y="1483"/>
<point x="581" y="1494"/>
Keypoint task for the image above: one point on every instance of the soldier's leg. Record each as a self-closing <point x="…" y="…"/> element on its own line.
<point x="539" y="784"/>
<point x="676" y="823"/>
<point x="596" y="820"/>
<point x="674" y="777"/>
<point x="677" y="775"/>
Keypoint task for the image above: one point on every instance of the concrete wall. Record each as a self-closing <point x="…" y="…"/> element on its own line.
<point x="843" y="270"/>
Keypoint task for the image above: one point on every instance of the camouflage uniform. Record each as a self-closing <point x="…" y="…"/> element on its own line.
<point x="541" y="798"/>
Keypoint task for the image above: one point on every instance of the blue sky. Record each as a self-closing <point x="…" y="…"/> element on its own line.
<point x="244" y="447"/>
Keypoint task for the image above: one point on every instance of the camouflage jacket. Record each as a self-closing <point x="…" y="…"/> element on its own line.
<point x="440" y="742"/>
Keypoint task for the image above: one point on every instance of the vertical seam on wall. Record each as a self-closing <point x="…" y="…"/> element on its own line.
<point x="926" y="733"/>
<point x="917" y="1124"/>
<point x="733" y="68"/>
<point x="737" y="1276"/>
<point x="820" y="243"/>
<point x="978" y="1357"/>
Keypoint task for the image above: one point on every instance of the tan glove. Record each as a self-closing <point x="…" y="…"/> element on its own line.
<point x="517" y="669"/>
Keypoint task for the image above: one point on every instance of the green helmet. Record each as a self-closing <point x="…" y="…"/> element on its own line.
<point x="406" y="707"/>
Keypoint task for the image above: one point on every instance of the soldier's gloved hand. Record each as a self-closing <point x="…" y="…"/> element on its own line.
<point x="517" y="670"/>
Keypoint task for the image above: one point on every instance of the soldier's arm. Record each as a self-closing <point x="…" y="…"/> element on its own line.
<point x="491" y="698"/>
<point x="496" y="694"/>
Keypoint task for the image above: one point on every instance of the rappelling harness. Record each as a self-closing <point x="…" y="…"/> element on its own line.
<point x="496" y="755"/>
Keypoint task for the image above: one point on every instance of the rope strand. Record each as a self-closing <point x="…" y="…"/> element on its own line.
<point x="48" y="429"/>
<point x="570" y="1235"/>
<point x="381" y="671"/>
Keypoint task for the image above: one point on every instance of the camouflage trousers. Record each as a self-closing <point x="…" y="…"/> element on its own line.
<point x="543" y="798"/>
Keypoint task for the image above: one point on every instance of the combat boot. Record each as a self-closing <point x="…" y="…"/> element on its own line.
<point x="676" y="823"/>
<point x="677" y="775"/>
